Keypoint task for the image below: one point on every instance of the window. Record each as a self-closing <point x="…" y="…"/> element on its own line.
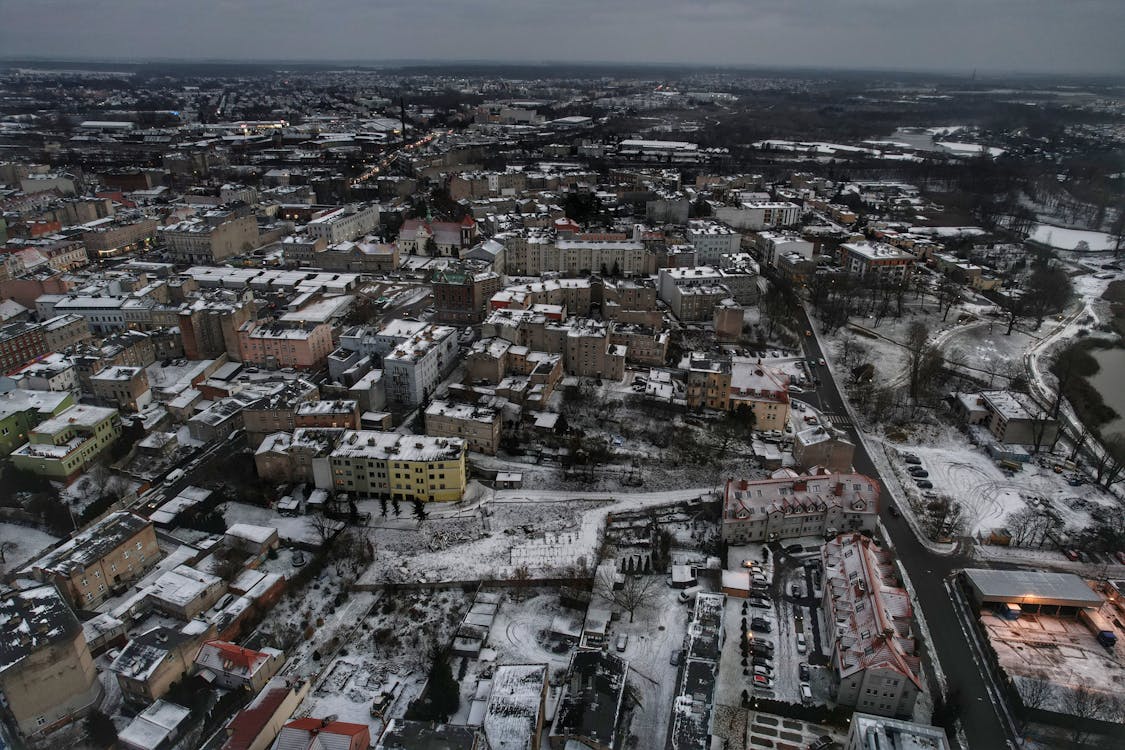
<point x="140" y="545"/>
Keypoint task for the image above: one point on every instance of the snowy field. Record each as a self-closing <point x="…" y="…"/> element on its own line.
<point x="1069" y="239"/>
<point x="22" y="544"/>
<point x="289" y="528"/>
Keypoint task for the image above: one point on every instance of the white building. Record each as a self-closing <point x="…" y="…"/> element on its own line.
<point x="712" y="240"/>
<point x="868" y="732"/>
<point x="758" y="215"/>
<point x="344" y="224"/>
<point x="773" y="245"/>
<point x="414" y="367"/>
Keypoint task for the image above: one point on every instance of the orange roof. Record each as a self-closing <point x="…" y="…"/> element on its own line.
<point x="335" y="727"/>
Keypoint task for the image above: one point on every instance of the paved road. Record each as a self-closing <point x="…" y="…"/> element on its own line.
<point x="985" y="729"/>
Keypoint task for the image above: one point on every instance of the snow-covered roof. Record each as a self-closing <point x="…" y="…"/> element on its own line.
<point x="92" y="544"/>
<point x="153" y="726"/>
<point x="32" y="619"/>
<point x="514" y="706"/>
<point x="1032" y="586"/>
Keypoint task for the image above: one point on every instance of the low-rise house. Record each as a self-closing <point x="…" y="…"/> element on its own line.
<point x="789" y="505"/>
<point x="124" y="387"/>
<point x="823" y="446"/>
<point x="21" y="410"/>
<point x="691" y="718"/>
<point x="106" y="556"/>
<point x="185" y="592"/>
<point x="589" y="711"/>
<point x="1010" y="416"/>
<point x="255" y="540"/>
<point x="513" y="716"/>
<point x="47" y="675"/>
<point x="156" y="728"/>
<point x="874" y="660"/>
<point x="151" y="662"/>
<point x="323" y="734"/>
<point x="257" y="726"/>
<point x="231" y="666"/>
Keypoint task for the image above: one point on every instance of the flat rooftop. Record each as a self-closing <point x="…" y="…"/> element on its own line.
<point x="1031" y="587"/>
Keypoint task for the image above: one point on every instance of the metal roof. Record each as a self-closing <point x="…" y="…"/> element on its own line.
<point x="1032" y="587"/>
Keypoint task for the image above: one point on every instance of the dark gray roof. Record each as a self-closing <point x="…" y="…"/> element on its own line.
<point x="422" y="735"/>
<point x="92" y="544"/>
<point x="1032" y="587"/>
<point x="33" y="619"/>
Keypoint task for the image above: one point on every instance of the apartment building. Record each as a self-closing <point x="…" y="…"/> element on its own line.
<point x="876" y="668"/>
<point x="276" y="345"/>
<point x="762" y="390"/>
<point x="124" y="387"/>
<point x="712" y="240"/>
<point x="415" y="366"/>
<point x="19" y="344"/>
<point x="772" y="246"/>
<point x="210" y="238"/>
<point x="868" y="732"/>
<point x="63" y="446"/>
<point x="103" y="313"/>
<point x="789" y="505"/>
<point x="209" y="323"/>
<point x="119" y="235"/>
<point x="108" y="555"/>
<point x="758" y="215"/>
<point x="344" y="224"/>
<point x="1010" y="416"/>
<point x="47" y="675"/>
<point x="152" y="662"/>
<point x="335" y="413"/>
<point x="22" y="409"/>
<point x="276" y="409"/>
<point x="446" y="238"/>
<point x="521" y="375"/>
<point x="691" y="727"/>
<point x="708" y="382"/>
<point x="401" y="467"/>
<point x="876" y="258"/>
<point x="51" y="372"/>
<point x="478" y="426"/>
<point x="643" y="344"/>
<point x="823" y="446"/>
<point x="574" y="295"/>
<point x="302" y="456"/>
<point x="461" y="296"/>
<point x="64" y="331"/>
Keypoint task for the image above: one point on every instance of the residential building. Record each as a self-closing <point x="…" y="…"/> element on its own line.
<point x="314" y="734"/>
<point x="403" y="734"/>
<point x="276" y="345"/>
<point x="108" y="555"/>
<point x="478" y="426"/>
<point x="344" y="224"/>
<point x="156" y="728"/>
<point x="104" y="313"/>
<point x="759" y="215"/>
<point x="359" y="256"/>
<point x="762" y="390"/>
<point x="691" y="721"/>
<point x="514" y="714"/>
<point x="47" y="675"/>
<point x="276" y="410"/>
<point x="401" y="467"/>
<point x="415" y="366"/>
<point x="124" y="387"/>
<point x="461" y="296"/>
<point x="302" y="456"/>
<point x="643" y="344"/>
<point x="118" y="235"/>
<point x="184" y="592"/>
<point x="212" y="237"/>
<point x="23" y="409"/>
<point x="519" y="374"/>
<point x="19" y="344"/>
<point x="772" y="246"/>
<point x="869" y="732"/>
<point x="823" y="446"/>
<point x="448" y="238"/>
<point x="151" y="662"/>
<point x="875" y="665"/>
<point x="589" y="711"/>
<point x="864" y="259"/>
<point x="1010" y="416"/>
<point x="210" y="322"/>
<point x="63" y="446"/>
<point x="788" y="505"/>
<point x="64" y="331"/>
<point x="233" y="666"/>
<point x="708" y="382"/>
<point x="712" y="240"/>
<point x="343" y="413"/>
<point x="257" y="726"/>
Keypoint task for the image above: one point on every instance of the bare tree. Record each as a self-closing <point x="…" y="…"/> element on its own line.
<point x="923" y="359"/>
<point x="324" y="527"/>
<point x="948" y="293"/>
<point x="1035" y="693"/>
<point x="635" y="593"/>
<point x="1085" y="704"/>
<point x="7" y="546"/>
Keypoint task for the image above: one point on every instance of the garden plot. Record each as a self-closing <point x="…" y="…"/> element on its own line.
<point x="386" y="657"/>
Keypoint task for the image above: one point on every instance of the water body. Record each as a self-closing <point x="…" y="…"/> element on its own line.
<point x="1110" y="383"/>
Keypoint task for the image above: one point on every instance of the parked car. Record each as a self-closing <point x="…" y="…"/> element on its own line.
<point x="802" y="644"/>
<point x="674" y="659"/>
<point x="762" y="660"/>
<point x="918" y="471"/>
<point x="1073" y="555"/>
<point x="803" y="672"/>
<point x="760" y="680"/>
<point x="925" y="484"/>
<point x="893" y="510"/>
<point x="795" y="589"/>
<point x="822" y="743"/>
<point x="759" y="603"/>
<point x="795" y="549"/>
<point x="622" y="641"/>
<point x="760" y="624"/>
<point x="763" y="670"/>
<point x="806" y="693"/>
<point x="910" y="458"/>
<point x="174" y="476"/>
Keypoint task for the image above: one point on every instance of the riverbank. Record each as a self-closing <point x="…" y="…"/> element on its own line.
<point x="1085" y="383"/>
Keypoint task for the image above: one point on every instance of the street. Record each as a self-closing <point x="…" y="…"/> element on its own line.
<point x="984" y="727"/>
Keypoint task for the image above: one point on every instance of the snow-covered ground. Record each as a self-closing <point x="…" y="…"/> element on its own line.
<point x="289" y="528"/>
<point x="1069" y="239"/>
<point x="22" y="544"/>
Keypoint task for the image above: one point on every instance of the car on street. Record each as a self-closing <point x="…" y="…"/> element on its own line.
<point x="759" y="603"/>
<point x="821" y="362"/>
<point x="808" y="332"/>
<point x="795" y="589"/>
<point x="1073" y="555"/>
<point x="893" y="510"/>
<point x="925" y="484"/>
<point x="674" y="659"/>
<point x="794" y="549"/>
<point x="802" y="644"/>
<point x="803" y="672"/>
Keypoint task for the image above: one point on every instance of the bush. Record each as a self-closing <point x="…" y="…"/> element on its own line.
<point x="100" y="729"/>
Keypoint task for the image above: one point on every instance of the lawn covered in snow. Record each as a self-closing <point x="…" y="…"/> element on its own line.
<point x="1069" y="239"/>
<point x="21" y="544"/>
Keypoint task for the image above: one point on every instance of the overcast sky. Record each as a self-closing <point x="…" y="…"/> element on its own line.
<point x="1064" y="36"/>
